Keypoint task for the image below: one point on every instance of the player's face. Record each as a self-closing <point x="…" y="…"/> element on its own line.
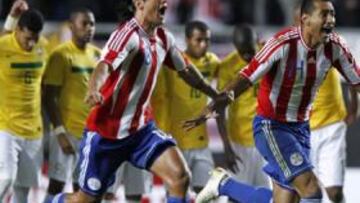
<point x="321" y="21"/>
<point x="154" y="11"/>
<point x="198" y="44"/>
<point x="83" y="27"/>
<point x="26" y="38"/>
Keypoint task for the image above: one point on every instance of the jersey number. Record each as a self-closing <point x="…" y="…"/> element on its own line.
<point x="28" y="77"/>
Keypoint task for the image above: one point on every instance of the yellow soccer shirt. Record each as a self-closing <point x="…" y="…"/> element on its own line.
<point x="159" y="100"/>
<point x="70" y="68"/>
<point x="187" y="102"/>
<point x="242" y="111"/>
<point x="328" y="106"/>
<point x="20" y="87"/>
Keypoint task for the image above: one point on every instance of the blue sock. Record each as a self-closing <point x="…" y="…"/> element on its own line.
<point x="240" y="192"/>
<point x="59" y="198"/>
<point x="48" y="198"/>
<point x="317" y="198"/>
<point x="177" y="200"/>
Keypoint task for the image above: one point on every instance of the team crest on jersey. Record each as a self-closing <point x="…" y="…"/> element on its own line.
<point x="296" y="159"/>
<point x="94" y="184"/>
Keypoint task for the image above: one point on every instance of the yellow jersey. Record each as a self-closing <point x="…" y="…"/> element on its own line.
<point x="328" y="106"/>
<point x="186" y="102"/>
<point x="21" y="73"/>
<point x="242" y="111"/>
<point x="159" y="103"/>
<point x="70" y="68"/>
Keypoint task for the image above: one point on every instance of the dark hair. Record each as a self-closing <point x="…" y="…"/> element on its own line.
<point x="246" y="31"/>
<point x="32" y="19"/>
<point x="80" y="10"/>
<point x="126" y="10"/>
<point x="307" y="6"/>
<point x="193" y="25"/>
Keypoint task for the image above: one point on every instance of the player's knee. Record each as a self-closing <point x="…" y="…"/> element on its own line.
<point x="336" y="195"/>
<point x="180" y="178"/>
<point x="311" y="188"/>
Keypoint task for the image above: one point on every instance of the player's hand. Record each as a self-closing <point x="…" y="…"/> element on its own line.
<point x="350" y="118"/>
<point x="94" y="98"/>
<point x="193" y="123"/>
<point x="18" y="7"/>
<point x="231" y="159"/>
<point x="65" y="144"/>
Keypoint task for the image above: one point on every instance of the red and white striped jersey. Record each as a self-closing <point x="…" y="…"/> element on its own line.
<point x="291" y="73"/>
<point x="135" y="58"/>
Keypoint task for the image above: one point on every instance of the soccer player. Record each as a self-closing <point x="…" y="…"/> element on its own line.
<point x="22" y="64"/>
<point x="185" y="102"/>
<point x="242" y="111"/>
<point x="328" y="124"/>
<point x="66" y="83"/>
<point x="292" y="66"/>
<point x="119" y="127"/>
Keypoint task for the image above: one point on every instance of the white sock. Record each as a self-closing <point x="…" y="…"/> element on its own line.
<point x="20" y="194"/>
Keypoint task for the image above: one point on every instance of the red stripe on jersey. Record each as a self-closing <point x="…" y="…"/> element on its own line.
<point x="95" y="120"/>
<point x="265" y="107"/>
<point x="309" y="83"/>
<point x="338" y="66"/>
<point x="145" y="94"/>
<point x="112" y="55"/>
<point x="287" y="83"/>
<point x="162" y="35"/>
<point x="328" y="52"/>
<point x="128" y="84"/>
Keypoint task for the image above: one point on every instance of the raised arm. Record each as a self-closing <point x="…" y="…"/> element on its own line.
<point x="18" y="7"/>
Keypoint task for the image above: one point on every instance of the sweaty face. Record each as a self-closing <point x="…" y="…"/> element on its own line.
<point x="321" y="21"/>
<point x="26" y="38"/>
<point x="154" y="11"/>
<point x="198" y="43"/>
<point x="83" y="27"/>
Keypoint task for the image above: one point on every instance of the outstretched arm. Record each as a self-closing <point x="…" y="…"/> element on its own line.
<point x="194" y="78"/>
<point x="231" y="91"/>
<point x="97" y="79"/>
<point x="230" y="155"/>
<point x="352" y="107"/>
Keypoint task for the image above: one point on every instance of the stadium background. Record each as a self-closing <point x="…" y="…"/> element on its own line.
<point x="267" y="16"/>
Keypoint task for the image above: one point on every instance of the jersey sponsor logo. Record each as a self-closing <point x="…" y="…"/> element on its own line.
<point x="94" y="184"/>
<point x="296" y="159"/>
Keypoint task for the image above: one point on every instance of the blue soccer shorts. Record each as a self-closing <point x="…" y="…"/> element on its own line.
<point x="285" y="147"/>
<point x="100" y="157"/>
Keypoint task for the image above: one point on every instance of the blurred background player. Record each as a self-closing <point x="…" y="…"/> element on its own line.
<point x="66" y="82"/>
<point x="184" y="102"/>
<point x="328" y="122"/>
<point x="242" y="111"/>
<point x="22" y="64"/>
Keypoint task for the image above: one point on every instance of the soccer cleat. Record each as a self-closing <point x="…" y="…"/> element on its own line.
<point x="211" y="189"/>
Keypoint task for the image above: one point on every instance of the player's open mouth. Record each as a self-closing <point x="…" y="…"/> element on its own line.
<point x="162" y="10"/>
<point x="327" y="30"/>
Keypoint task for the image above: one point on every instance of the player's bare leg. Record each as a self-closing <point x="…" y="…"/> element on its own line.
<point x="170" y="166"/>
<point x="283" y="195"/>
<point x="335" y="194"/>
<point x="307" y="186"/>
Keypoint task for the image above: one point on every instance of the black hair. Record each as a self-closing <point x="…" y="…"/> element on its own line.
<point x="245" y="33"/>
<point x="307" y="6"/>
<point x="126" y="10"/>
<point x="31" y="19"/>
<point x="80" y="10"/>
<point x="195" y="25"/>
